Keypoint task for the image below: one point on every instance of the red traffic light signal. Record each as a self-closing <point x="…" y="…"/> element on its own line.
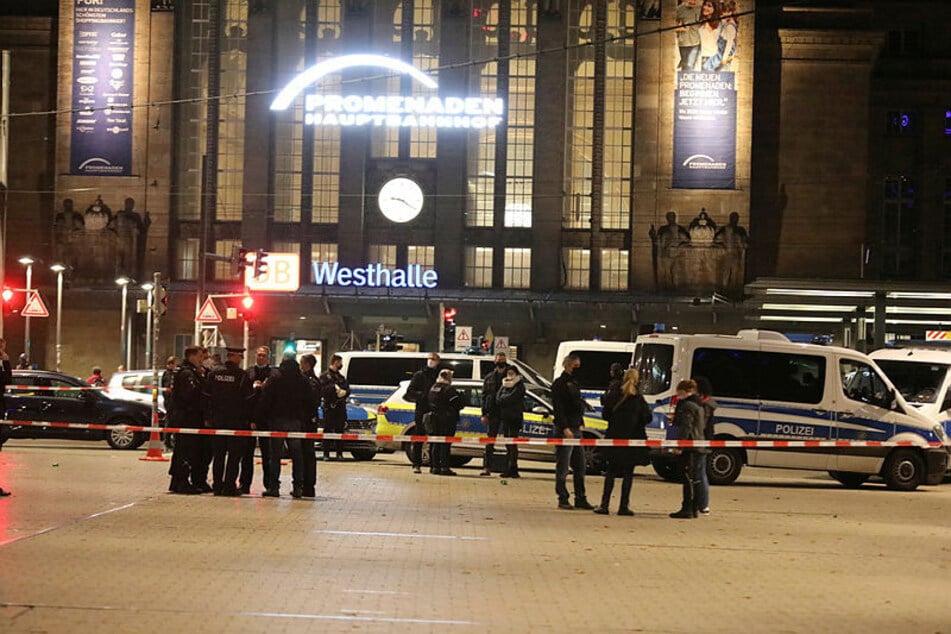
<point x="449" y="314"/>
<point x="7" y="295"/>
<point x="247" y="308"/>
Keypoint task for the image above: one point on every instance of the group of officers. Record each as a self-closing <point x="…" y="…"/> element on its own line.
<point x="207" y="393"/>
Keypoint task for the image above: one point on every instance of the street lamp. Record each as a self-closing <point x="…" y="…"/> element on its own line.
<point x="123" y="282"/>
<point x="148" y="320"/>
<point x="27" y="261"/>
<point x="58" y="269"/>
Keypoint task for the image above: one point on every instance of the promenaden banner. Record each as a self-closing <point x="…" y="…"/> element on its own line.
<point x="705" y="130"/>
<point x="103" y="56"/>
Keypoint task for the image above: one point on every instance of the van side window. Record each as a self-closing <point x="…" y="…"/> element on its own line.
<point x="654" y="362"/>
<point x="791" y="378"/>
<point x="861" y="383"/>
<point x="595" y="370"/>
<point x="732" y="373"/>
<point x="461" y="368"/>
<point x="382" y="370"/>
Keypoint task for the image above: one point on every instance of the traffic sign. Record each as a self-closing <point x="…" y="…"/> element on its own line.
<point x="463" y="337"/>
<point x="501" y="345"/>
<point x="35" y="306"/>
<point x="282" y="273"/>
<point x="209" y="313"/>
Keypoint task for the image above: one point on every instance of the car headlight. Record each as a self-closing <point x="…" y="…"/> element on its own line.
<point x="940" y="433"/>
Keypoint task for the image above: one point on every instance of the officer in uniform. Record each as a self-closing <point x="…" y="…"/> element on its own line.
<point x="228" y="395"/>
<point x="187" y="389"/>
<point x="6" y="376"/>
<point x="491" y="410"/>
<point x="309" y="480"/>
<point x="418" y="392"/>
<point x="258" y="373"/>
<point x="334" y="391"/>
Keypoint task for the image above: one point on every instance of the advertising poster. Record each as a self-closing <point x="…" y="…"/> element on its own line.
<point x="705" y="96"/>
<point x="103" y="55"/>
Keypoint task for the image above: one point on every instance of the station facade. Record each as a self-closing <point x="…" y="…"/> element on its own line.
<point x="550" y="170"/>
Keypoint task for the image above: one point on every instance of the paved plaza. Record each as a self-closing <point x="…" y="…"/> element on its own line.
<point x="90" y="542"/>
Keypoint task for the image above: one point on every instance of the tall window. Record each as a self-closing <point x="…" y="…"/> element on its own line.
<point x="322" y="252"/>
<point x="480" y="184"/>
<point x="426" y="58"/>
<point x="225" y="270"/>
<point x="899" y="225"/>
<point x="191" y="139"/>
<point x="576" y="268"/>
<point x="384" y="140"/>
<point x="518" y="268"/>
<point x="285" y="246"/>
<point x="186" y="262"/>
<point x="424" y="256"/>
<point x="478" y="267"/>
<point x="385" y="254"/>
<point x="580" y="121"/>
<point x="614" y="267"/>
<point x="234" y="64"/>
<point x="618" y="120"/>
<point x="521" y="118"/>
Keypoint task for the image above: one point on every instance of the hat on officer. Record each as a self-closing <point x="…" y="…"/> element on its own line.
<point x="235" y="350"/>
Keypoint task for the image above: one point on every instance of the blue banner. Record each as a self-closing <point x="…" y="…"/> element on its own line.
<point x="705" y="130"/>
<point x="103" y="56"/>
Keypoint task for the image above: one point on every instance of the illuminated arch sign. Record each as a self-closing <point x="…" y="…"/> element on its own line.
<point x="391" y="111"/>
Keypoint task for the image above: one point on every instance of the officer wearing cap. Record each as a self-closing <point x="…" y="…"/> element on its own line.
<point x="228" y="395"/>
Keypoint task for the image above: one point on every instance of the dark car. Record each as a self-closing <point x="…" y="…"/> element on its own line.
<point x="71" y="406"/>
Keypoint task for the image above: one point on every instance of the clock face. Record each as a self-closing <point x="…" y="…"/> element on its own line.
<point x="400" y="199"/>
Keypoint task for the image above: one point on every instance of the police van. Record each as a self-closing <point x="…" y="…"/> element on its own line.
<point x="596" y="359"/>
<point x="373" y="376"/>
<point x="769" y="388"/>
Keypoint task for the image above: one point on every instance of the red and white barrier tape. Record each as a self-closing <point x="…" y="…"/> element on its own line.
<point x="485" y="440"/>
<point x="77" y="388"/>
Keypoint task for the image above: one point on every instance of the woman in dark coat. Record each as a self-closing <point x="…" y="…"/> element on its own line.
<point x="627" y="417"/>
<point x="511" y="400"/>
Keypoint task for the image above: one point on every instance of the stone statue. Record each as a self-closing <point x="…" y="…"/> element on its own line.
<point x="68" y="226"/>
<point x="734" y="241"/>
<point x="668" y="242"/>
<point x="702" y="229"/>
<point x="127" y="225"/>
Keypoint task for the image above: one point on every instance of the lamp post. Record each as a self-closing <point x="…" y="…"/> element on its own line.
<point x="123" y="282"/>
<point x="58" y="269"/>
<point x="27" y="261"/>
<point x="148" y="286"/>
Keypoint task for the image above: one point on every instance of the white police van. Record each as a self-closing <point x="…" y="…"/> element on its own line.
<point x="769" y="388"/>
<point x="596" y="359"/>
<point x="373" y="376"/>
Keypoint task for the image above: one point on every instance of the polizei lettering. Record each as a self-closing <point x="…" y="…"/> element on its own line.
<point x="795" y="430"/>
<point x="374" y="275"/>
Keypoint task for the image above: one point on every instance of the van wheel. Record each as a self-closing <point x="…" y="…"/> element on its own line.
<point x="458" y="461"/>
<point x="594" y="463"/>
<point x="724" y="465"/>
<point x="667" y="468"/>
<point x="849" y="479"/>
<point x="363" y="454"/>
<point x="408" y="449"/>
<point x="904" y="470"/>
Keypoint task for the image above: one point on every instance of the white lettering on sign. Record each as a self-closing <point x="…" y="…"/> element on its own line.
<point x="413" y="276"/>
<point x="394" y="111"/>
<point x="795" y="430"/>
<point x="281" y="273"/>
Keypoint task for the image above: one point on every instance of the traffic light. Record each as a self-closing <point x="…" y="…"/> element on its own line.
<point x="449" y="332"/>
<point x="239" y="258"/>
<point x="7" y="301"/>
<point x="290" y="347"/>
<point x="260" y="263"/>
<point x="161" y="300"/>
<point x="247" y="307"/>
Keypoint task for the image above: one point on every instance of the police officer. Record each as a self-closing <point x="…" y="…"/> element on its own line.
<point x="418" y="392"/>
<point x="187" y="389"/>
<point x="6" y="376"/>
<point x="228" y="395"/>
<point x="445" y="403"/>
<point x="309" y="479"/>
<point x="258" y="373"/>
<point x="334" y="391"/>
<point x="491" y="411"/>
<point x="285" y="404"/>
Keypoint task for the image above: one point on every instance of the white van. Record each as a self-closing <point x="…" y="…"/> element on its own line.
<point x="596" y="359"/>
<point x="920" y="373"/>
<point x="769" y="388"/>
<point x="373" y="376"/>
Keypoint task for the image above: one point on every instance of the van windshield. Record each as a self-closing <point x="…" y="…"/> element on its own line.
<point x="595" y="370"/>
<point x="654" y="362"/>
<point x="920" y="383"/>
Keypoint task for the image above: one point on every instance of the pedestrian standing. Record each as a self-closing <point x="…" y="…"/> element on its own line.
<point x="308" y="363"/>
<point x="165" y="383"/>
<point x="285" y="404"/>
<point x="705" y="391"/>
<point x="418" y="392"/>
<point x="334" y="391"/>
<point x="186" y="412"/>
<point x="228" y="395"/>
<point x="569" y="423"/>
<point x="96" y="380"/>
<point x="628" y="415"/>
<point x="205" y="448"/>
<point x="445" y="403"/>
<point x="6" y="377"/>
<point x="511" y="400"/>
<point x="688" y="419"/>
<point x="491" y="412"/>
<point x="258" y="373"/>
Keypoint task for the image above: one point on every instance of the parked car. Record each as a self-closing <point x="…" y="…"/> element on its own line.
<point x="72" y="406"/>
<point x="396" y="416"/>
<point x="135" y="385"/>
<point x="359" y="421"/>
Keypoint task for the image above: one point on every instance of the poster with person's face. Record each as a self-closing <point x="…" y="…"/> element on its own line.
<point x="705" y="97"/>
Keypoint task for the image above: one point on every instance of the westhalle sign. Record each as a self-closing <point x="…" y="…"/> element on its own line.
<point x="386" y="111"/>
